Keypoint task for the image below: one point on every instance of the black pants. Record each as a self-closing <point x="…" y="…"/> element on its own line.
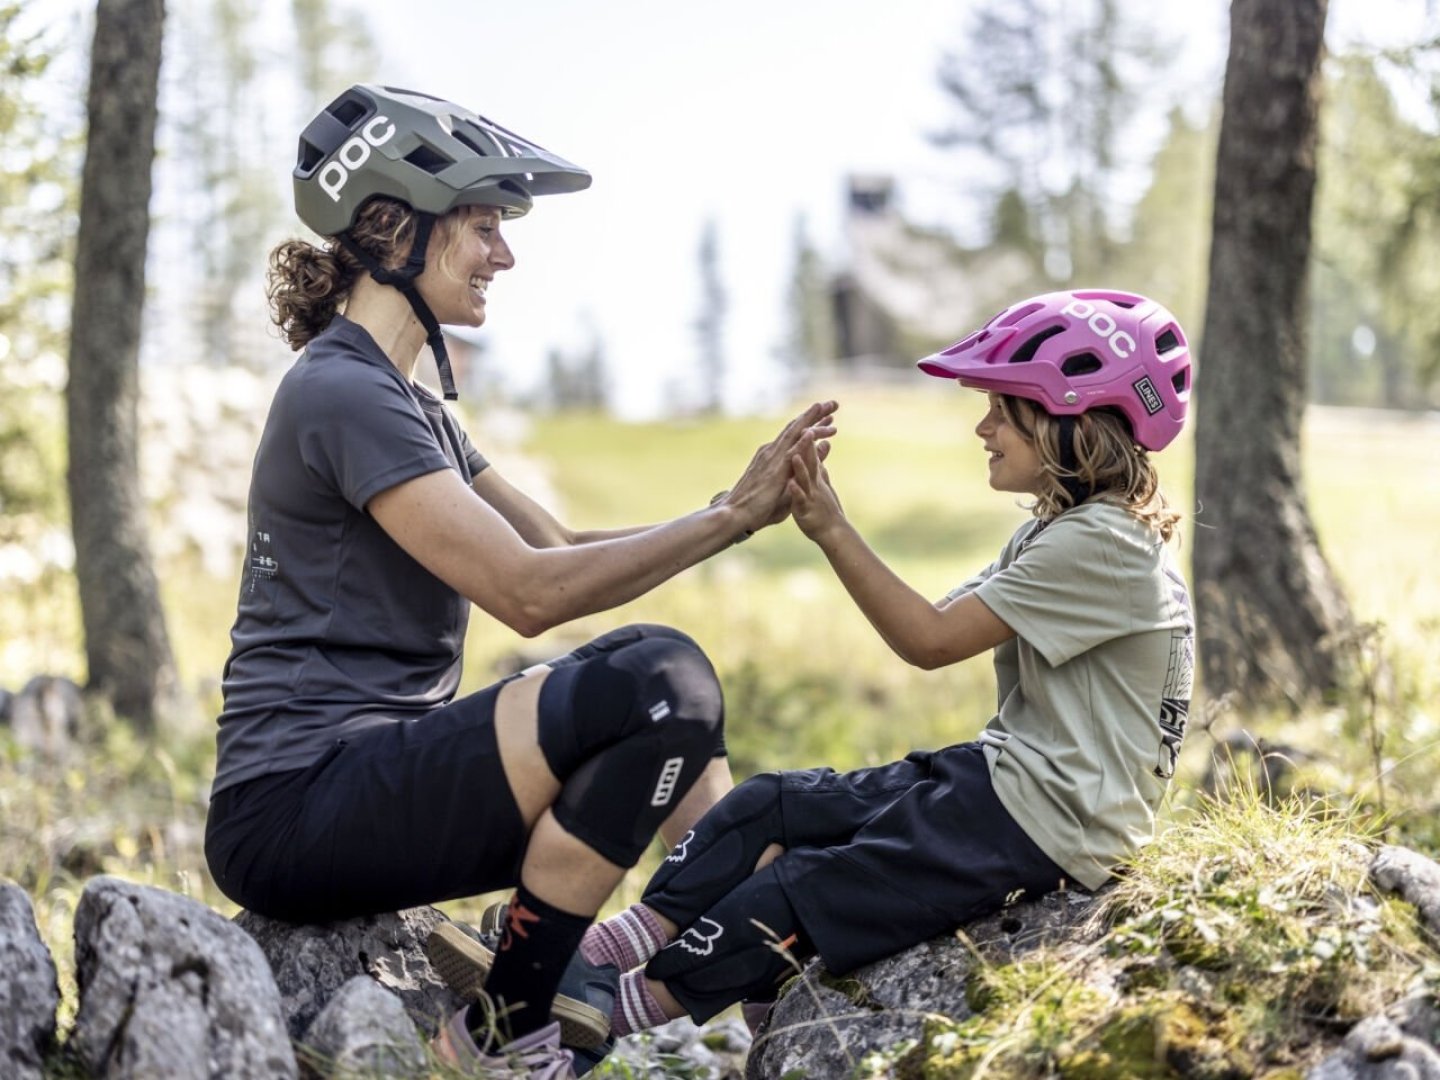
<point x="413" y="812"/>
<point x="876" y="860"/>
<point x="410" y="813"/>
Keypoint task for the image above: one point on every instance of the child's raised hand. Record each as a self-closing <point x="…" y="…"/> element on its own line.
<point x="762" y="490"/>
<point x="813" y="502"/>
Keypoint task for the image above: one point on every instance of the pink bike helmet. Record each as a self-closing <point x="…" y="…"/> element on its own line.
<point x="1074" y="351"/>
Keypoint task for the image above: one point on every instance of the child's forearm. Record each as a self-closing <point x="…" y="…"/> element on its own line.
<point x="907" y="621"/>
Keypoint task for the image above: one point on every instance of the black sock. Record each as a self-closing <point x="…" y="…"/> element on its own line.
<point x="535" y="948"/>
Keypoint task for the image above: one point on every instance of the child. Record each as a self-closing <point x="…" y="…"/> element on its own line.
<point x="1090" y="624"/>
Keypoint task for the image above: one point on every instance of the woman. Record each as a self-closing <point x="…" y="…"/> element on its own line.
<point x="1089" y="622"/>
<point x="350" y="779"/>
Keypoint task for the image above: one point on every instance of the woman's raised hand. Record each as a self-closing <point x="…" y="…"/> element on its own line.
<point x="762" y="495"/>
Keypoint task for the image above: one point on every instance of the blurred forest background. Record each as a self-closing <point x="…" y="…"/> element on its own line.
<point x="116" y="777"/>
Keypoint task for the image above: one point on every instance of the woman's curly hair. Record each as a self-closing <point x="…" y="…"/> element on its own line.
<point x="1107" y="460"/>
<point x="307" y="284"/>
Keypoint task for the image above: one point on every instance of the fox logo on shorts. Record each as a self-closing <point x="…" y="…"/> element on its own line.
<point x="694" y="940"/>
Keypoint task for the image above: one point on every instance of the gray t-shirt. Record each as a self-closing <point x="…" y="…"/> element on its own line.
<point x="1094" y="689"/>
<point x="338" y="629"/>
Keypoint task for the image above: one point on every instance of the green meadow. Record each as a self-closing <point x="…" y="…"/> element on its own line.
<point x="807" y="681"/>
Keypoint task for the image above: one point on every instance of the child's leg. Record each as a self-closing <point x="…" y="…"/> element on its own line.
<point x="725" y="847"/>
<point x="741" y="948"/>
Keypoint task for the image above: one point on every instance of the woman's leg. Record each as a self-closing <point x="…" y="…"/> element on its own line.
<point x="598" y="751"/>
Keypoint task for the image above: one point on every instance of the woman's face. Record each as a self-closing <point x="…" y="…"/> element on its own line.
<point x="1014" y="461"/>
<point x="460" y="267"/>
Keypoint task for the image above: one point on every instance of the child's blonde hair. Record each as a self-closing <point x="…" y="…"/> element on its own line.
<point x="1108" y="461"/>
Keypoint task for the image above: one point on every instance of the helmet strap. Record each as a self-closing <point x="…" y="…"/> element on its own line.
<point x="1069" y="464"/>
<point x="404" y="280"/>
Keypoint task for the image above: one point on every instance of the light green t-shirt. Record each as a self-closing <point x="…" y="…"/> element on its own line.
<point x="1094" y="689"/>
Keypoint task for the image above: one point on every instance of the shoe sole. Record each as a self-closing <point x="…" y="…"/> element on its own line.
<point x="463" y="963"/>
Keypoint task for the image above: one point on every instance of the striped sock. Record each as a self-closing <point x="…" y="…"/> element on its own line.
<point x="627" y="940"/>
<point x="635" y="1007"/>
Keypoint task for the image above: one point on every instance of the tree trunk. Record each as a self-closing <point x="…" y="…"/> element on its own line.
<point x="1269" y="609"/>
<point x="126" y="645"/>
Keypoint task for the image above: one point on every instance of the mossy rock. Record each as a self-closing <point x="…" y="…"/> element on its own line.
<point x="1163" y="1037"/>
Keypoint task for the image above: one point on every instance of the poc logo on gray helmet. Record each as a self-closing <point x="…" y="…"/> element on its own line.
<point x="353" y="154"/>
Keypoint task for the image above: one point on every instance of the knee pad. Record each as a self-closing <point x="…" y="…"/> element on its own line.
<point x="628" y="730"/>
<point x="719" y="853"/>
<point x="741" y="948"/>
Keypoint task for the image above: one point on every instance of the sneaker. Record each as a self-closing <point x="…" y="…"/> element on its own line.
<point x="584" y="1002"/>
<point x="492" y="920"/>
<point x="537" y="1056"/>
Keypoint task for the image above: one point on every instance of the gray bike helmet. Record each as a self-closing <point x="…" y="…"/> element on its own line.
<point x="430" y="154"/>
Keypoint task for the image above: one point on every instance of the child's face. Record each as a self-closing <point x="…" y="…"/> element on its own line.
<point x="1014" y="462"/>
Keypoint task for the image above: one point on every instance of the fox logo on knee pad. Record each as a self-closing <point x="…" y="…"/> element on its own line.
<point x="682" y="849"/>
<point x="695" y="940"/>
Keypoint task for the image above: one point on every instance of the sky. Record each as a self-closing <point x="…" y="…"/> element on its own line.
<point x="748" y="114"/>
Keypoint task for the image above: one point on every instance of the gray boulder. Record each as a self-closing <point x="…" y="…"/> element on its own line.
<point x="1401" y="1042"/>
<point x="363" y="1031"/>
<point x="170" y="988"/>
<point x="825" y="1024"/>
<point x="1377" y="1048"/>
<point x="1414" y="877"/>
<point x="311" y="962"/>
<point x="45" y="716"/>
<point x="29" y="993"/>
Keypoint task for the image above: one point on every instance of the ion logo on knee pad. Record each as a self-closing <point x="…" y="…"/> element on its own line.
<point x="669" y="776"/>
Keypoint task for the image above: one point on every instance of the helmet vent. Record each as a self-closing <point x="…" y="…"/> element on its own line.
<point x="1086" y="363"/>
<point x="310" y="156"/>
<point x="427" y="158"/>
<point x="469" y="140"/>
<point x="1181" y="381"/>
<point x="348" y="112"/>
<point x="1026" y="352"/>
<point x="1167" y="341"/>
<point x="1019" y="313"/>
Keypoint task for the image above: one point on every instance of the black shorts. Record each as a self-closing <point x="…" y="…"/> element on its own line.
<point x="409" y="813"/>
<point x="881" y="859"/>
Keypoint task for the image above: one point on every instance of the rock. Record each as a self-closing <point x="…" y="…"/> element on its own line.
<point x="1417" y="1014"/>
<point x="1377" y="1049"/>
<point x="170" y="988"/>
<point x="824" y="1024"/>
<point x="45" y="715"/>
<point x="363" y="1029"/>
<point x="29" y="993"/>
<point x="1414" y="877"/>
<point x="714" y="1051"/>
<point x="311" y="963"/>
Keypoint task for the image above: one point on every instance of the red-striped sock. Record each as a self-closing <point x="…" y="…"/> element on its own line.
<point x="627" y="940"/>
<point x="635" y="1007"/>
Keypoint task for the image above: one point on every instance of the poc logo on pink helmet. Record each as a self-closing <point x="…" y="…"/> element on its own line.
<point x="353" y="153"/>
<point x="1121" y="343"/>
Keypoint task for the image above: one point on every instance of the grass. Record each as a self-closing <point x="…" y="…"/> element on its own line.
<point x="808" y="682"/>
<point x="1240" y="943"/>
